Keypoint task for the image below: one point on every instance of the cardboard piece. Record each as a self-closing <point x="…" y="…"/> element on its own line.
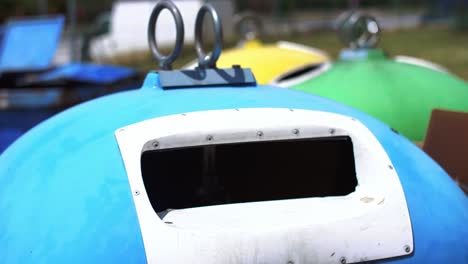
<point x="447" y="143"/>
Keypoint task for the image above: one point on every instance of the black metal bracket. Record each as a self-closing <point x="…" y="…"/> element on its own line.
<point x="207" y="77"/>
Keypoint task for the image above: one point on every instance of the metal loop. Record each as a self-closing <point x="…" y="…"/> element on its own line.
<point x="165" y="62"/>
<point x="204" y="60"/>
<point x="358" y="30"/>
<point x="248" y="25"/>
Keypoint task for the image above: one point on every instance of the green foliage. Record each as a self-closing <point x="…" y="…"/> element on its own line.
<point x="16" y="8"/>
<point x="86" y="10"/>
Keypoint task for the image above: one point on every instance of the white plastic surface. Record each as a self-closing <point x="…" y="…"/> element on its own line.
<point x="420" y="62"/>
<point x="370" y="223"/>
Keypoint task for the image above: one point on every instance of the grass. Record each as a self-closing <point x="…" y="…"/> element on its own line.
<point x="441" y="45"/>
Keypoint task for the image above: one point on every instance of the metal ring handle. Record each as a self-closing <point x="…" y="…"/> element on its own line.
<point x="204" y="60"/>
<point x="358" y="30"/>
<point x="370" y="32"/>
<point x="343" y="25"/>
<point x="165" y="61"/>
<point x="247" y="25"/>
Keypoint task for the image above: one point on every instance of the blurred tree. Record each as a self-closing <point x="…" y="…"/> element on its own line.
<point x="461" y="15"/>
<point x="87" y="10"/>
<point x="17" y="8"/>
<point x="43" y="7"/>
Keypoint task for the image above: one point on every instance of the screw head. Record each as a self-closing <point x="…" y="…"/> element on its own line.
<point x="136" y="192"/>
<point x="155" y="144"/>
<point x="332" y="131"/>
<point x="209" y="137"/>
<point x="295" y="131"/>
<point x="407" y="249"/>
<point x="260" y="133"/>
<point x="343" y="260"/>
<point x="390" y="167"/>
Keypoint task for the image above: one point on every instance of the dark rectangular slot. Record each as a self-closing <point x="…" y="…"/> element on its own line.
<point x="248" y="172"/>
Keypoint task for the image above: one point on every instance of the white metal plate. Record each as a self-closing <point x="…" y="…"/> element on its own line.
<point x="370" y="223"/>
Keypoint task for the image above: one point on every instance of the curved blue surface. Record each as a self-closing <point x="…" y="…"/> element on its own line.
<point x="65" y="197"/>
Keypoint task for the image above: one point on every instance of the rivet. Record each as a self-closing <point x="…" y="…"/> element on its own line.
<point x="292" y="110"/>
<point x="295" y="131"/>
<point x="290" y="262"/>
<point x="183" y="114"/>
<point x="209" y="137"/>
<point x="155" y="144"/>
<point x="390" y="167"/>
<point x="121" y="130"/>
<point x="137" y="192"/>
<point x="407" y="249"/>
<point x="343" y="260"/>
<point x="237" y="109"/>
<point x="353" y="119"/>
<point x="260" y="133"/>
<point x="332" y="131"/>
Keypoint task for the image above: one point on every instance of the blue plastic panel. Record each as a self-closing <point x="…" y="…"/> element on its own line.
<point x="29" y="45"/>
<point x="87" y="73"/>
<point x="34" y="98"/>
<point x="2" y="30"/>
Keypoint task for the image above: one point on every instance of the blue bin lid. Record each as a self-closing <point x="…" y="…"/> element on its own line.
<point x="29" y="44"/>
<point x="86" y="73"/>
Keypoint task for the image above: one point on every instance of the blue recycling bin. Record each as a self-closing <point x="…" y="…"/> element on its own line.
<point x="32" y="89"/>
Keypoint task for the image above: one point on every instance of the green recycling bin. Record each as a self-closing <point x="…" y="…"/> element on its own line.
<point x="401" y="93"/>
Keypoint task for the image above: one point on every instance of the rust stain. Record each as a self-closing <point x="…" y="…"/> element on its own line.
<point x="381" y="202"/>
<point x="367" y="199"/>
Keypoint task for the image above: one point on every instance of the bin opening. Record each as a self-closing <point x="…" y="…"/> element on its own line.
<point x="206" y="175"/>
<point x="299" y="72"/>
